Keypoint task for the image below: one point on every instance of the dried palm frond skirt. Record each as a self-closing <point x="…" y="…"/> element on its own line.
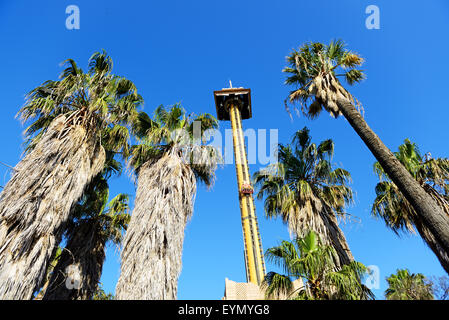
<point x="37" y="201"/>
<point x="152" y="252"/>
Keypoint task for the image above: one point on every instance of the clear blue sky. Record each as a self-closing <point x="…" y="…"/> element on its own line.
<point x="180" y="51"/>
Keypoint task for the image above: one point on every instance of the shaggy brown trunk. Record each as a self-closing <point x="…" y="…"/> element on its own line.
<point x="433" y="244"/>
<point x="425" y="233"/>
<point x="338" y="240"/>
<point x="50" y="268"/>
<point x="318" y="217"/>
<point x="37" y="201"/>
<point x="85" y="249"/>
<point x="431" y="213"/>
<point x="152" y="252"/>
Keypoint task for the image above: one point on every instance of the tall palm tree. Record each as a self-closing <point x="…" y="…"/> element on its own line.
<point x="100" y="294"/>
<point x="313" y="69"/>
<point x="408" y="286"/>
<point x="71" y="116"/>
<point x="306" y="258"/>
<point x="168" y="167"/>
<point x="307" y="192"/>
<point x="391" y="205"/>
<point x="95" y="223"/>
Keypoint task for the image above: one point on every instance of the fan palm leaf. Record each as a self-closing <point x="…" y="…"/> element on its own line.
<point x="408" y="286"/>
<point x="399" y="215"/>
<point x="308" y="259"/>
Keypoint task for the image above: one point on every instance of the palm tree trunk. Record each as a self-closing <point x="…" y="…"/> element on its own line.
<point x="40" y="295"/>
<point x="151" y="257"/>
<point x="85" y="249"/>
<point x="433" y="244"/>
<point x="50" y="268"/>
<point x="37" y="201"/>
<point x="432" y="214"/>
<point x="338" y="240"/>
<point x="425" y="233"/>
<point x="323" y="222"/>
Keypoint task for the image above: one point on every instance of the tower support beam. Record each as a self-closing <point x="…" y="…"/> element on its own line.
<point x="255" y="267"/>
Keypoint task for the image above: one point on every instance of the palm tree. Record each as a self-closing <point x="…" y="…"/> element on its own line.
<point x="74" y="119"/>
<point x="306" y="258"/>
<point x="86" y="249"/>
<point x="307" y="192"/>
<point x="168" y="167"/>
<point x="50" y="268"/>
<point x="408" y="286"/>
<point x="391" y="205"/>
<point x="95" y="223"/>
<point x="100" y="294"/>
<point x="440" y="287"/>
<point x="313" y="70"/>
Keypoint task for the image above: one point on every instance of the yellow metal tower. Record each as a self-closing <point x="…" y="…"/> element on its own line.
<point x="234" y="104"/>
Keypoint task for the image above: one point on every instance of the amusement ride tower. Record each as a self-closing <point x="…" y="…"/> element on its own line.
<point x="234" y="104"/>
